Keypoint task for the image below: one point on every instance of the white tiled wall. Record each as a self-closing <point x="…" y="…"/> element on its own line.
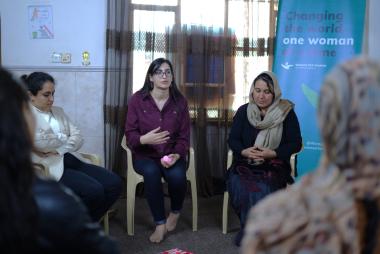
<point x="80" y="94"/>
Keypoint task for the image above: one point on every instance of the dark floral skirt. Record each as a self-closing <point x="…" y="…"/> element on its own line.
<point x="247" y="184"/>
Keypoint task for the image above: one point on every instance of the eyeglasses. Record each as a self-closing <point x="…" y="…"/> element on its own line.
<point x="167" y="73"/>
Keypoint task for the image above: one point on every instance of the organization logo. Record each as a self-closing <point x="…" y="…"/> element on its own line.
<point x="309" y="66"/>
<point x="286" y="66"/>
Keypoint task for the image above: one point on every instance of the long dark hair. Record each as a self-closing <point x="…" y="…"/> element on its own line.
<point x="36" y="80"/>
<point x="153" y="67"/>
<point x="18" y="210"/>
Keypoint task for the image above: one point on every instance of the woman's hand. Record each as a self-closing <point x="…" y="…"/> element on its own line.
<point x="258" y="153"/>
<point x="266" y="153"/>
<point x="169" y="160"/>
<point x="251" y="153"/>
<point x="154" y="137"/>
<point x="45" y="154"/>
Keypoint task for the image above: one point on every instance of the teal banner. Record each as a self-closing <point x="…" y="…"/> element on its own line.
<point x="312" y="37"/>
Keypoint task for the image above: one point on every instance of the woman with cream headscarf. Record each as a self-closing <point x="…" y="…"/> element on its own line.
<point x="336" y="208"/>
<point x="264" y="134"/>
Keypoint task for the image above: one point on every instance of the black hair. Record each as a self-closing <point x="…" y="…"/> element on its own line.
<point x="18" y="210"/>
<point x="153" y="67"/>
<point x="36" y="80"/>
<point x="267" y="79"/>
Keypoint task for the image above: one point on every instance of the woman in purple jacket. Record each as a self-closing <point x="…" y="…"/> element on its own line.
<point x="158" y="133"/>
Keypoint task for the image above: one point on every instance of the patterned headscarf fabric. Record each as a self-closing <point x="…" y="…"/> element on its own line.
<point x="319" y="214"/>
<point x="271" y="125"/>
<point x="349" y="117"/>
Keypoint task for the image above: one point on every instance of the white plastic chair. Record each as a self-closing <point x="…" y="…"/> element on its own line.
<point x="133" y="179"/>
<point x="226" y="195"/>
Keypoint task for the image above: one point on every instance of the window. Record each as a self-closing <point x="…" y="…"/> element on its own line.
<point x="156" y="2"/>
<point x="246" y="19"/>
<point x="208" y="13"/>
<point x="148" y="23"/>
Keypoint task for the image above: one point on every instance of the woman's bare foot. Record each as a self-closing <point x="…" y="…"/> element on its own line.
<point x="171" y="221"/>
<point x="159" y="234"/>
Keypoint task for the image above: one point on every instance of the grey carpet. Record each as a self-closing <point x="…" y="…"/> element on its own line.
<point x="208" y="239"/>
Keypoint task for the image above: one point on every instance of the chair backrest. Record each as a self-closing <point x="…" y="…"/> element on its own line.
<point x="41" y="169"/>
<point x="293" y="163"/>
<point x="130" y="172"/>
<point x="129" y="153"/>
<point x="124" y="143"/>
<point x="92" y="158"/>
<point x="229" y="159"/>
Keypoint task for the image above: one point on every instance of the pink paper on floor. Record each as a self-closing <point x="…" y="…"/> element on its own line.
<point x="176" y="251"/>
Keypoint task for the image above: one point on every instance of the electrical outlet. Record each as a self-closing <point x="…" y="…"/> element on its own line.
<point x="56" y="57"/>
<point x="66" y="58"/>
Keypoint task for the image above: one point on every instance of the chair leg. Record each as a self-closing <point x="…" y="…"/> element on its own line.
<point x="106" y="223"/>
<point x="190" y="175"/>
<point x="194" y="199"/>
<point x="225" y="212"/>
<point x="131" y="192"/>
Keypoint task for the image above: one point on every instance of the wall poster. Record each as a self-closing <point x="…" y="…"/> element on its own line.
<point x="40" y="20"/>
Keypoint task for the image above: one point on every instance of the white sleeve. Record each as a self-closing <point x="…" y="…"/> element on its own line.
<point x="74" y="139"/>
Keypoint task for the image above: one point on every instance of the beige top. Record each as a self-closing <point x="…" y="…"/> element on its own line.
<point x="55" y="132"/>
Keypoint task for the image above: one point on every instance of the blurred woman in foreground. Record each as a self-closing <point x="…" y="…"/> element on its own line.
<point x="36" y="216"/>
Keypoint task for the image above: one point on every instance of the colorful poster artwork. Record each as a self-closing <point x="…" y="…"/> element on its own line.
<point x="40" y="22"/>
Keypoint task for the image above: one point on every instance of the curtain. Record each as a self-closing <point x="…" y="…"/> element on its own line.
<point x="0" y="42"/>
<point x="217" y="47"/>
<point x="117" y="85"/>
<point x="208" y="83"/>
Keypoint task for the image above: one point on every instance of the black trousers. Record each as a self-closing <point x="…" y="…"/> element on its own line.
<point x="98" y="187"/>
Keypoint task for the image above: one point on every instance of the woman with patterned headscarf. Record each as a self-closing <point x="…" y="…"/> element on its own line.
<point x="336" y="208"/>
<point x="264" y="134"/>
